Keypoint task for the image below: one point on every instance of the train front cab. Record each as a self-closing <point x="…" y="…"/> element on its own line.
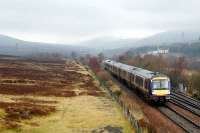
<point x="160" y="89"/>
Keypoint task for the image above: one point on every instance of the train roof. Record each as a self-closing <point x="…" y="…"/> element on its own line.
<point x="135" y="70"/>
<point x="125" y="67"/>
<point x="144" y="73"/>
<point x="138" y="71"/>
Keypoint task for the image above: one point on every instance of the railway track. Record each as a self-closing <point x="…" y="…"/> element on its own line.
<point x="186" y="124"/>
<point x="185" y="113"/>
<point x="191" y="101"/>
<point x="189" y="104"/>
<point x="185" y="102"/>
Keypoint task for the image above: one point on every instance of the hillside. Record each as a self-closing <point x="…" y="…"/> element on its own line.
<point x="12" y="46"/>
<point x="165" y="38"/>
<point x="108" y="43"/>
<point x="160" y="39"/>
<point x="184" y="49"/>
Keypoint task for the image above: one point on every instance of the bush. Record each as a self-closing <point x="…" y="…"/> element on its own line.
<point x="196" y="84"/>
<point x="103" y="76"/>
<point x="196" y="96"/>
<point x="94" y="64"/>
<point x="118" y="93"/>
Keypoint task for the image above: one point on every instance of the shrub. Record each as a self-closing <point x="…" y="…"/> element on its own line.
<point x="118" y="93"/>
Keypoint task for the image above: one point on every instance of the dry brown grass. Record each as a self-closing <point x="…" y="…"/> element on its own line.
<point x="36" y="95"/>
<point x="15" y="112"/>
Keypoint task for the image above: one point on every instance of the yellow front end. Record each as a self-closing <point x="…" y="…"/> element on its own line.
<point x="160" y="92"/>
<point x="160" y="86"/>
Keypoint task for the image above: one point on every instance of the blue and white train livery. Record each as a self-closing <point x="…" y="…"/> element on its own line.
<point x="154" y="86"/>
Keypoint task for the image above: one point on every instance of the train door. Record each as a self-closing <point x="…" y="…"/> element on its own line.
<point x="128" y="79"/>
<point x="119" y="72"/>
<point x="133" y="80"/>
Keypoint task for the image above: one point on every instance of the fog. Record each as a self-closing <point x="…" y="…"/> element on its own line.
<point x="64" y="21"/>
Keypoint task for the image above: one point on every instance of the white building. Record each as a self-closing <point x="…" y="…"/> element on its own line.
<point x="158" y="52"/>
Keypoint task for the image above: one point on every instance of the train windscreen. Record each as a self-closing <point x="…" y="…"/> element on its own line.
<point x="160" y="84"/>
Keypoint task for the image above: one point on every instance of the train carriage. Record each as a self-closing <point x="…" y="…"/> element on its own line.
<point x="153" y="85"/>
<point x="124" y="72"/>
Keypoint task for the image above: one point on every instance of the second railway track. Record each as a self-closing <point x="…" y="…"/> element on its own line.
<point x="186" y="103"/>
<point x="190" y="101"/>
<point x="180" y="120"/>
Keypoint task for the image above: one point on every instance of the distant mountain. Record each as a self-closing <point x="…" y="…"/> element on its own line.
<point x="108" y="43"/>
<point x="160" y="39"/>
<point x="165" y="38"/>
<point x="12" y="46"/>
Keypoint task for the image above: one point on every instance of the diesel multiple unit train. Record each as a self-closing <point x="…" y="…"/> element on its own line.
<point x="153" y="85"/>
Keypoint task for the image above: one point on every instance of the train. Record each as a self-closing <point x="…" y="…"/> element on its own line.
<point x="153" y="85"/>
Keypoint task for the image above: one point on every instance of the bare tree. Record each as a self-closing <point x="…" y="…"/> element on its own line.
<point x="101" y="57"/>
<point x="94" y="64"/>
<point x="73" y="55"/>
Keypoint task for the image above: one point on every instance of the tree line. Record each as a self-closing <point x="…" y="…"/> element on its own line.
<point x="177" y="68"/>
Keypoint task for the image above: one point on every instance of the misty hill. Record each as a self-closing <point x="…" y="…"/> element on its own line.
<point x="179" y="49"/>
<point x="164" y="38"/>
<point x="12" y="46"/>
<point x="108" y="43"/>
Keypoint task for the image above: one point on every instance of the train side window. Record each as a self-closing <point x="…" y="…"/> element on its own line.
<point x="146" y="84"/>
<point x="132" y="78"/>
<point x="127" y="75"/>
<point x="139" y="81"/>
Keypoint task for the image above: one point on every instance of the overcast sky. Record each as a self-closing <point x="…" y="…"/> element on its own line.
<point x="68" y="21"/>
